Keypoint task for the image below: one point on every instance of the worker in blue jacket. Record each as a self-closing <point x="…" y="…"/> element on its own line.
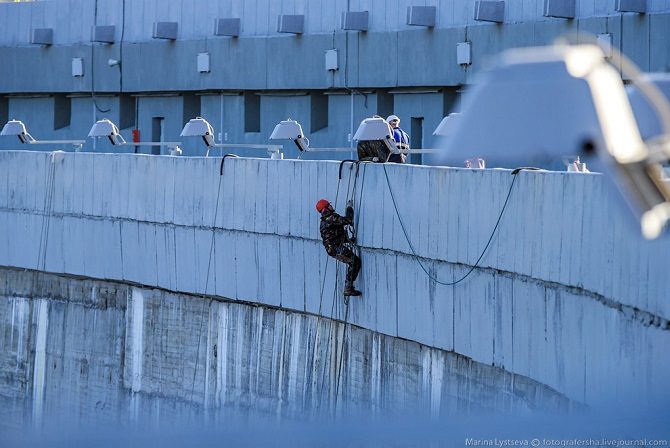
<point x="401" y="139"/>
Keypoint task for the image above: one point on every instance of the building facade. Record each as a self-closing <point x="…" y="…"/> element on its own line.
<point x="151" y="65"/>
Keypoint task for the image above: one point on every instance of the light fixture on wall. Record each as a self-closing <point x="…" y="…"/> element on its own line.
<point x="374" y="129"/>
<point x="199" y="127"/>
<point x="17" y="128"/>
<point x="447" y="124"/>
<point x="591" y="117"/>
<point x="106" y="128"/>
<point x="292" y="130"/>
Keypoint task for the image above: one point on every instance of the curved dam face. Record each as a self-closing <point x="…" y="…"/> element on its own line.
<point x="221" y="271"/>
<point x="99" y="352"/>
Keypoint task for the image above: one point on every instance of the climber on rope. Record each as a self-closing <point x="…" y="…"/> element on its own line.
<point x="335" y="240"/>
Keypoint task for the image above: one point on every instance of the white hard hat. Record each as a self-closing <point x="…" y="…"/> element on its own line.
<point x="392" y="117"/>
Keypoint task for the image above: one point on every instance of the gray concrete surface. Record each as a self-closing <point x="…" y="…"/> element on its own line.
<point x="568" y="294"/>
<point x="258" y="17"/>
<point x="96" y="352"/>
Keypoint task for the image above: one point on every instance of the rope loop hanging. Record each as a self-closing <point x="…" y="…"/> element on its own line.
<point x="514" y="174"/>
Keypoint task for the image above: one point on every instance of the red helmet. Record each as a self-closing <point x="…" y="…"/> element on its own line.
<point x="322" y="205"/>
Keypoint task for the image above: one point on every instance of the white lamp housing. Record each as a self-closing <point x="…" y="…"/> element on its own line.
<point x="105" y="128"/>
<point x="290" y="130"/>
<point x="376" y="128"/>
<point x="574" y="102"/>
<point x="554" y="117"/>
<point x="199" y="127"/>
<point x="16" y="127"/>
<point x="447" y="124"/>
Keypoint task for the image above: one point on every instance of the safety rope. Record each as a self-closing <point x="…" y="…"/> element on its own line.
<point x="411" y="246"/>
<point x="323" y="284"/>
<point x="223" y="160"/>
<point x="206" y="302"/>
<point x="337" y="195"/>
<point x="335" y="304"/>
<point x="360" y="198"/>
<point x="338" y="375"/>
<point x="325" y="269"/>
<point x="355" y="248"/>
<point x="358" y="205"/>
<point x="46" y="221"/>
<point x="350" y="200"/>
<point x="46" y="216"/>
<point x="352" y="186"/>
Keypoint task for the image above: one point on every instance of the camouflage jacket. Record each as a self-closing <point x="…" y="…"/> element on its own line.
<point x="333" y="232"/>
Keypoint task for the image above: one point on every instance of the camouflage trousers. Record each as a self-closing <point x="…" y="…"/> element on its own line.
<point x="346" y="255"/>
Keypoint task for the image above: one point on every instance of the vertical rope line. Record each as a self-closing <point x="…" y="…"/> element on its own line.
<point x="205" y="302"/>
<point x="325" y="270"/>
<point x="351" y="195"/>
<point x="334" y="310"/>
<point x="341" y="357"/>
<point x="45" y="208"/>
<point x="46" y="217"/>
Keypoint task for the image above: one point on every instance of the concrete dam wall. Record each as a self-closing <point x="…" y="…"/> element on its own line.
<point x="220" y="286"/>
<point x="107" y="352"/>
